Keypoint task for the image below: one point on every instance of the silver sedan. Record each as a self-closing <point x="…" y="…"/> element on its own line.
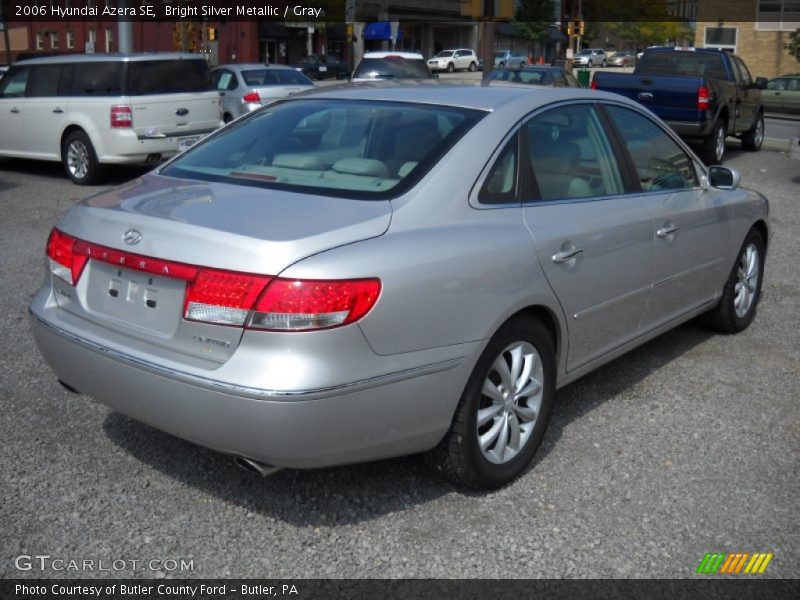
<point x="367" y="272"/>
<point x="247" y="87"/>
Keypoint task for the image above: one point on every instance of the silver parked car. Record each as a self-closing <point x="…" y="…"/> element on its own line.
<point x="368" y="272"/>
<point x="246" y="87"/>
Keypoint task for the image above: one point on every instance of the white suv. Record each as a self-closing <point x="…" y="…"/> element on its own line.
<point x="453" y="60"/>
<point x="94" y="109"/>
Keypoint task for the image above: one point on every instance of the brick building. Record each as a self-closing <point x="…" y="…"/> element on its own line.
<point x="756" y="30"/>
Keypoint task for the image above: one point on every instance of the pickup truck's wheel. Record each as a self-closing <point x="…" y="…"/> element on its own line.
<point x="742" y="291"/>
<point x="713" y="149"/>
<point x="752" y="140"/>
<point x="502" y="416"/>
<point x="79" y="159"/>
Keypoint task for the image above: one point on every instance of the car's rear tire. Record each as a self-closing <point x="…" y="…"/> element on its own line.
<point x="713" y="150"/>
<point x="737" y="305"/>
<point x="79" y="159"/>
<point x="450" y="67"/>
<point x="473" y="67"/>
<point x="752" y="140"/>
<point x="501" y="418"/>
<point x="227" y="118"/>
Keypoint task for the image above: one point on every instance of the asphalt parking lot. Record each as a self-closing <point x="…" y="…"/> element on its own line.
<point x="688" y="445"/>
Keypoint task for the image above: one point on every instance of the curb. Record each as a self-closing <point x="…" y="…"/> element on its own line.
<point x="775" y="144"/>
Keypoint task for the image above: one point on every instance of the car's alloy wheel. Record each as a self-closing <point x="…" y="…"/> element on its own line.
<point x="740" y="296"/>
<point x="503" y="412"/>
<point x="752" y="140"/>
<point x="713" y="149"/>
<point x="79" y="159"/>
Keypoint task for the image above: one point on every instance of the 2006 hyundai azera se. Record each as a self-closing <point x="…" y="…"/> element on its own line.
<point x="370" y="272"/>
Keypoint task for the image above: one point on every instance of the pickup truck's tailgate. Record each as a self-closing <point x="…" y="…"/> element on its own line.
<point x="671" y="98"/>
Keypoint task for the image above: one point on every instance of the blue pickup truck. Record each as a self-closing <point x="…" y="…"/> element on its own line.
<point x="704" y="95"/>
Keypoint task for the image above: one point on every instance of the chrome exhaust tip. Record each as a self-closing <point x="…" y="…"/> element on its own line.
<point x="253" y="466"/>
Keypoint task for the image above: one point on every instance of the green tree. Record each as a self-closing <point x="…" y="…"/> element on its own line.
<point x="534" y="17"/>
<point x="793" y="45"/>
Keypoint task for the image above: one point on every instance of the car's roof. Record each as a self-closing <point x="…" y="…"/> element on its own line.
<point x="114" y="57"/>
<point x="481" y="97"/>
<point x="389" y="53"/>
<point x="242" y="67"/>
<point x="456" y="50"/>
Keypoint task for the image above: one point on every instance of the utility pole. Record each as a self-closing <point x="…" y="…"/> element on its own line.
<point x="5" y="35"/>
<point x="487" y="37"/>
<point x="124" y="30"/>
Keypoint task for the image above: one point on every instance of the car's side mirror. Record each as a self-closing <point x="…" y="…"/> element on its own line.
<point x="723" y="178"/>
<point x="761" y="83"/>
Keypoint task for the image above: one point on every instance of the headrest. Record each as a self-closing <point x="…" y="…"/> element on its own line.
<point x="361" y="166"/>
<point x="298" y="161"/>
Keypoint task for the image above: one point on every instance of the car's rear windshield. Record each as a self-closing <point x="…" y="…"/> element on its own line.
<point x="518" y="76"/>
<point x="346" y="148"/>
<point x="264" y="77"/>
<point x="693" y="64"/>
<point x="392" y="68"/>
<point x="172" y="76"/>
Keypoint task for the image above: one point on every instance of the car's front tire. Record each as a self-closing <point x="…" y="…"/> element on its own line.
<point x="737" y="306"/>
<point x="79" y="158"/>
<point x="502" y="416"/>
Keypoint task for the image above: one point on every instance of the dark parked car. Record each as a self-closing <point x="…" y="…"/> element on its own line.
<point x="704" y="95"/>
<point x="316" y="66"/>
<point x="555" y="76"/>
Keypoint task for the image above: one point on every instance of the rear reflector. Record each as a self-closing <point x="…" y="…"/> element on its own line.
<point x="703" y="98"/>
<point x="302" y="305"/>
<point x="229" y="297"/>
<point x="251" y="98"/>
<point x="121" y="116"/>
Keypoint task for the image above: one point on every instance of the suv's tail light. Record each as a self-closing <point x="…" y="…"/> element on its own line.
<point x="302" y="305"/>
<point x="230" y="297"/>
<point x="703" y="98"/>
<point x="121" y="116"/>
<point x="251" y="98"/>
<point x="64" y="264"/>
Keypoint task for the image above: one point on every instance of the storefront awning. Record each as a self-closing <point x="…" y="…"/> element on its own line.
<point x="381" y="30"/>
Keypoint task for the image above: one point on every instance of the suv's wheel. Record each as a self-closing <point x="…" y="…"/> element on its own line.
<point x="713" y="149"/>
<point x="473" y="67"/>
<point x="79" y="158"/>
<point x="752" y="140"/>
<point x="450" y="67"/>
<point x="503" y="412"/>
<point x="742" y="291"/>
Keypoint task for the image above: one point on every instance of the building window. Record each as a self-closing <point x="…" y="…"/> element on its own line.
<point x="721" y="38"/>
<point x="40" y="41"/>
<point x="70" y="40"/>
<point x="53" y="40"/>
<point x="109" y="40"/>
<point x="778" y="15"/>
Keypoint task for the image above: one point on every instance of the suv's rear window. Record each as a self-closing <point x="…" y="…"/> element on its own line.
<point x="358" y="149"/>
<point x="392" y="68"/>
<point x="168" y="76"/>
<point x="684" y="63"/>
<point x="263" y="77"/>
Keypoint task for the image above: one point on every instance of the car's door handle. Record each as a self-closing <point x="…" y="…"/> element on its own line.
<point x="15" y="110"/>
<point x="666" y="231"/>
<point x="565" y="255"/>
<point x="58" y="111"/>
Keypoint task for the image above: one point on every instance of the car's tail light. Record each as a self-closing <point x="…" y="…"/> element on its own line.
<point x="64" y="263"/>
<point x="703" y="98"/>
<point x="251" y="98"/>
<point x="223" y="297"/>
<point x="593" y="85"/>
<point x="302" y="305"/>
<point x="229" y="297"/>
<point x="121" y="116"/>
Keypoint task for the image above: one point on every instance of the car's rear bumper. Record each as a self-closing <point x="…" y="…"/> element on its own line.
<point x="393" y="414"/>
<point x="124" y="146"/>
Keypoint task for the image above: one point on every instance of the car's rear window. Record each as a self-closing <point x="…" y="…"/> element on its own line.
<point x="392" y="68"/>
<point x="264" y="77"/>
<point x="532" y="77"/>
<point x="346" y="148"/>
<point x="683" y="63"/>
<point x="168" y="77"/>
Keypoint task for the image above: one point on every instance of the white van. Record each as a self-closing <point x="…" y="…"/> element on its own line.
<point x="102" y="109"/>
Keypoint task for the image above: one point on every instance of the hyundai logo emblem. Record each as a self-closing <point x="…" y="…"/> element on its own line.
<point x="132" y="237"/>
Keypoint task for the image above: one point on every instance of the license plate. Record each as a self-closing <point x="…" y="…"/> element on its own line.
<point x="187" y="142"/>
<point x="323" y="68"/>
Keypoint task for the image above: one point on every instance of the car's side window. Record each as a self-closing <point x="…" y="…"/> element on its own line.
<point x="570" y="154"/>
<point x="500" y="185"/>
<point x="777" y="84"/>
<point x="744" y="74"/>
<point x="44" y="81"/>
<point x="14" y="82"/>
<point x="793" y="85"/>
<point x="660" y="163"/>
